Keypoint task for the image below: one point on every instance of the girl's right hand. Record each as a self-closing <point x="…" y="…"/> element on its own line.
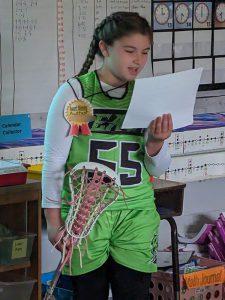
<point x="56" y="237"/>
<point x="56" y="229"/>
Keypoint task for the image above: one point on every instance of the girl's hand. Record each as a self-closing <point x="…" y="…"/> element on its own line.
<point x="55" y="236"/>
<point x="56" y="228"/>
<point x="160" y="128"/>
<point x="158" y="131"/>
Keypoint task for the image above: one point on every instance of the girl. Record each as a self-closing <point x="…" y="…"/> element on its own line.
<point x="123" y="243"/>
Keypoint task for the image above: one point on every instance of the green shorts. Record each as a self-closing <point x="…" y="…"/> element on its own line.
<point x="129" y="236"/>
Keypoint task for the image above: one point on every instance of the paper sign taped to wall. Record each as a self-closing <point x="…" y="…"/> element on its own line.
<point x="15" y="127"/>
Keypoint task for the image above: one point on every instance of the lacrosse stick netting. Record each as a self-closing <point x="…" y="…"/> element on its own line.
<point x="93" y="188"/>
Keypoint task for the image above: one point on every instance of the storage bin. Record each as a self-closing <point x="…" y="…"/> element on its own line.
<point x="12" y="172"/>
<point x="14" y="286"/>
<point x="35" y="171"/>
<point x="16" y="248"/>
<point x="162" y="283"/>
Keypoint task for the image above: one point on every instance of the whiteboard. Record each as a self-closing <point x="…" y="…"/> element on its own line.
<point x="44" y="42"/>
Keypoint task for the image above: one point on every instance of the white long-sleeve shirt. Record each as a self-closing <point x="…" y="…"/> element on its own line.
<point x="58" y="143"/>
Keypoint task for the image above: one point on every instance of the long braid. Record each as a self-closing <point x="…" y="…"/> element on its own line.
<point x="93" y="49"/>
<point x="90" y="57"/>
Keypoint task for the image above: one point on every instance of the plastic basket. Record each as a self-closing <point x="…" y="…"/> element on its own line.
<point x="162" y="284"/>
<point x="14" y="286"/>
<point x="16" y="248"/>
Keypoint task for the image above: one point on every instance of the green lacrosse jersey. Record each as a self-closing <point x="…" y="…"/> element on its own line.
<point x="119" y="149"/>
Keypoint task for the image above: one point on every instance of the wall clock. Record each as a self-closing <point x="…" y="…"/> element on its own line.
<point x="162" y="13"/>
<point x="182" y="13"/>
<point x="201" y="12"/>
<point x="220" y="12"/>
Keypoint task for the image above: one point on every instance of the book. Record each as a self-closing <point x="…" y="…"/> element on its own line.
<point x="222" y="218"/>
<point x="213" y="253"/>
<point x="218" y="246"/>
<point x="221" y="229"/>
<point x="200" y="238"/>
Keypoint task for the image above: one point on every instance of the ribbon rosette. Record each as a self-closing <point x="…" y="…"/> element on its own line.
<point x="78" y="112"/>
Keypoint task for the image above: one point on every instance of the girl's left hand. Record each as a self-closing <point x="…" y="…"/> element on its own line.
<point x="158" y="131"/>
<point x="160" y="128"/>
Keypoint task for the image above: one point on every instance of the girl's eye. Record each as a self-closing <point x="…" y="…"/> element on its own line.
<point x="129" y="51"/>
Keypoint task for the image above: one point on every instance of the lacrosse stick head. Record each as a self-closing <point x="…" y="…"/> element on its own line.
<point x="93" y="188"/>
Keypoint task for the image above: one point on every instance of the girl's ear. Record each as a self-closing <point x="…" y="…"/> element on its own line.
<point x="103" y="48"/>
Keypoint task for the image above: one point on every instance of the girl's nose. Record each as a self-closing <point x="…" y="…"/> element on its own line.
<point x="137" y="58"/>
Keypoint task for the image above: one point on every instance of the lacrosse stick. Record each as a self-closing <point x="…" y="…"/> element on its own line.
<point x="93" y="188"/>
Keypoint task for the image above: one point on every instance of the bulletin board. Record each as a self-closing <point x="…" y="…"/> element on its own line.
<point x="45" y="42"/>
<point x="190" y="34"/>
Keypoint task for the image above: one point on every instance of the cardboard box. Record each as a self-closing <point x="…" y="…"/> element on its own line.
<point x="204" y="284"/>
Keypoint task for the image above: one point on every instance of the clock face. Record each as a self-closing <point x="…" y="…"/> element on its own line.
<point x="201" y="12"/>
<point x="162" y="14"/>
<point x="220" y="12"/>
<point x="181" y="13"/>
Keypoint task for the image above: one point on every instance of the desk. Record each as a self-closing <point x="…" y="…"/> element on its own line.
<point x="169" y="202"/>
<point x="20" y="210"/>
<point x="169" y="197"/>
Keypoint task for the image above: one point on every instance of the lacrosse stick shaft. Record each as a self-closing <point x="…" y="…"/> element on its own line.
<point x="55" y="279"/>
<point x="51" y="288"/>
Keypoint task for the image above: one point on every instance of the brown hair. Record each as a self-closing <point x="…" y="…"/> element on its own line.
<point x="114" y="27"/>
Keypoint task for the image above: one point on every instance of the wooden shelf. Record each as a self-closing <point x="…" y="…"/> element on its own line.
<point x="20" y="210"/>
<point x="6" y="268"/>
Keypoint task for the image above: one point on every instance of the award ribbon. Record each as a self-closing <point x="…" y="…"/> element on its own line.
<point x="78" y="112"/>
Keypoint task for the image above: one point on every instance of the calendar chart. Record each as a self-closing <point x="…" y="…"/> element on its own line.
<point x="190" y="34"/>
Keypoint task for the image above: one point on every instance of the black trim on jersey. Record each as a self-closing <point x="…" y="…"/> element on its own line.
<point x="109" y="111"/>
<point x="107" y="121"/>
<point x="106" y="93"/>
<point x="82" y="88"/>
<point x="72" y="89"/>
<point x="137" y="131"/>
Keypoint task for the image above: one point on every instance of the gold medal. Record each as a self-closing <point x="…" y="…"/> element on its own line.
<point x="78" y="112"/>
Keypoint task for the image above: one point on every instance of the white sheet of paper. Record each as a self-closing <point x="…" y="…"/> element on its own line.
<point x="164" y="258"/>
<point x="173" y="93"/>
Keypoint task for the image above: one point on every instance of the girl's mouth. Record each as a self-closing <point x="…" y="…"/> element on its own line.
<point x="133" y="71"/>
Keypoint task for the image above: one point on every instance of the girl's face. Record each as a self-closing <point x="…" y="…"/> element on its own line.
<point x="125" y="59"/>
